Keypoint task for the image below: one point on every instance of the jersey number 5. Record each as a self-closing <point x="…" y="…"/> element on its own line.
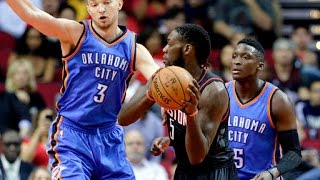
<point x="238" y="158"/>
<point x="100" y="96"/>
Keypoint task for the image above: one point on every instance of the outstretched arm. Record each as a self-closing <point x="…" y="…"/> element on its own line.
<point x="66" y="30"/>
<point x="139" y="103"/>
<point x="202" y="128"/>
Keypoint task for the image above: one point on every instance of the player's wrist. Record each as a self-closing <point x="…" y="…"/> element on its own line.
<point x="193" y="114"/>
<point x="274" y="171"/>
<point x="149" y="95"/>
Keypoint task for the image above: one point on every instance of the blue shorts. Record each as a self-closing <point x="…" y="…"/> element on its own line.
<point x="87" y="153"/>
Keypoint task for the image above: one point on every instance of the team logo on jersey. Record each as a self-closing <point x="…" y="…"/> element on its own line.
<point x="61" y="133"/>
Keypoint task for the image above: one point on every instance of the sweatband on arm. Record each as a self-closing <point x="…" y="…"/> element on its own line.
<point x="291" y="149"/>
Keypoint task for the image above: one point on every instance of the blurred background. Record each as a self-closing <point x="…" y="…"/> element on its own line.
<point x="31" y="66"/>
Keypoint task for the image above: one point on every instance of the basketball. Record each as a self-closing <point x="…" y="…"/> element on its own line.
<point x="169" y="87"/>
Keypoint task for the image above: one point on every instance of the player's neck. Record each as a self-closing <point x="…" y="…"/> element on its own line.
<point x="248" y="89"/>
<point x="109" y="33"/>
<point x="196" y="72"/>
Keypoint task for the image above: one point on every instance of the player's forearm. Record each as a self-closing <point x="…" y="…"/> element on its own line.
<point x="28" y="150"/>
<point x="23" y="8"/>
<point x="260" y="18"/>
<point x="223" y="29"/>
<point x="196" y="143"/>
<point x="135" y="108"/>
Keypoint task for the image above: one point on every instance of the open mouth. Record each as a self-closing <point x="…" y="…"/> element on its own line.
<point x="103" y="18"/>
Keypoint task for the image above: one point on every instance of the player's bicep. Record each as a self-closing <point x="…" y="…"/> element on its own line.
<point x="283" y="112"/>
<point x="144" y="62"/>
<point x="214" y="102"/>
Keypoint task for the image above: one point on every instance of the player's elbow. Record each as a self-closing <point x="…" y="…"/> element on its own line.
<point x="196" y="160"/>
<point x="122" y="121"/>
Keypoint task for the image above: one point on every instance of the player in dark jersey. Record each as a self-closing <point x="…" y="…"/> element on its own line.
<point x="198" y="132"/>
<point x="261" y="119"/>
<point x="99" y="58"/>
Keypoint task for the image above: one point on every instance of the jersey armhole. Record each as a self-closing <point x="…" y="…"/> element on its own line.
<point x="78" y="43"/>
<point x="270" y="115"/>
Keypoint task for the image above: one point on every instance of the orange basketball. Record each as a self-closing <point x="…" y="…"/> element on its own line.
<point x="169" y="87"/>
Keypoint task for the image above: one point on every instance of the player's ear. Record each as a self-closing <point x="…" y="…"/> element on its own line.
<point x="260" y="65"/>
<point x="120" y="4"/>
<point x="188" y="48"/>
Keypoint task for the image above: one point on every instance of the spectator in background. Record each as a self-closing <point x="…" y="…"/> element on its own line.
<point x="197" y="13"/>
<point x="142" y="168"/>
<point x="33" y="150"/>
<point x="173" y="18"/>
<point x="40" y="173"/>
<point x="22" y="82"/>
<point x="150" y="127"/>
<point x="308" y="113"/>
<point x="67" y="11"/>
<point x="258" y="18"/>
<point x="11" y="166"/>
<point x="302" y="38"/>
<point x="34" y="47"/>
<point x="225" y="61"/>
<point x="284" y="73"/>
<point x="14" y="114"/>
<point x="152" y="40"/>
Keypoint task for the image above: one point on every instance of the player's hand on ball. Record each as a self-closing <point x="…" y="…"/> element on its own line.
<point x="159" y="145"/>
<point x="191" y="106"/>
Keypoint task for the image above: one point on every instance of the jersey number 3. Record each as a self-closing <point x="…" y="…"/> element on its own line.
<point x="101" y="95"/>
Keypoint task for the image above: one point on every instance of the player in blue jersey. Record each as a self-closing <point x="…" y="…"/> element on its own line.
<point x="99" y="57"/>
<point x="261" y="119"/>
<point x="198" y="132"/>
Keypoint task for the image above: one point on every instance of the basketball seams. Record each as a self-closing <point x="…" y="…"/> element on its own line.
<point x="184" y="93"/>
<point x="166" y="89"/>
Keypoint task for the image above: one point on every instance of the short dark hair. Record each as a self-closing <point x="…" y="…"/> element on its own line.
<point x="199" y="38"/>
<point x="254" y="43"/>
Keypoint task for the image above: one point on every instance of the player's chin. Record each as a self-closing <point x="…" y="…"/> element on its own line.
<point x="236" y="77"/>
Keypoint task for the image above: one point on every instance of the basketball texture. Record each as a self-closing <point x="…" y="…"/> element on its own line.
<point x="169" y="87"/>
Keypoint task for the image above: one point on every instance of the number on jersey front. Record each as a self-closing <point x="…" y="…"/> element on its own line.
<point x="101" y="95"/>
<point x="238" y="158"/>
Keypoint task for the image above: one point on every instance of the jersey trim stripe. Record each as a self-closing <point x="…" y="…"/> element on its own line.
<point x="269" y="105"/>
<point x="203" y="75"/>
<point x="54" y="142"/>
<point x="77" y="46"/>
<point x="102" y="39"/>
<point x="132" y="65"/>
<point x="208" y="81"/>
<point x="251" y="101"/>
<point x="133" y="53"/>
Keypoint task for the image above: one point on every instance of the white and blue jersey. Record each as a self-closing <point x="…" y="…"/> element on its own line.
<point x="84" y="140"/>
<point x="95" y="78"/>
<point x="252" y="134"/>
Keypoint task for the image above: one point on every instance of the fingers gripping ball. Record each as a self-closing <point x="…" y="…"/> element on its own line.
<point x="169" y="87"/>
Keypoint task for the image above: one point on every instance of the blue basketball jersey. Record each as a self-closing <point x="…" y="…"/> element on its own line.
<point x="95" y="77"/>
<point x="252" y="134"/>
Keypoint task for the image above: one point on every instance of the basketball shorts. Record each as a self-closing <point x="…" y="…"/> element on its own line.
<point x="87" y="153"/>
<point x="226" y="173"/>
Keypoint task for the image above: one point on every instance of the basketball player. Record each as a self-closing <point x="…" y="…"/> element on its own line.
<point x="198" y="132"/>
<point x="99" y="58"/>
<point x="261" y="117"/>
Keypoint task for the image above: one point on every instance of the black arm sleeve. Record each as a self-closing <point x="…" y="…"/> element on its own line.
<point x="291" y="149"/>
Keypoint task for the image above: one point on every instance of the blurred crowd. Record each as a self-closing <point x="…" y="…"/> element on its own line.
<point x="31" y="66"/>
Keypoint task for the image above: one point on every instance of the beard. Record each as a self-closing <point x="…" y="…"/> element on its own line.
<point x="179" y="61"/>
